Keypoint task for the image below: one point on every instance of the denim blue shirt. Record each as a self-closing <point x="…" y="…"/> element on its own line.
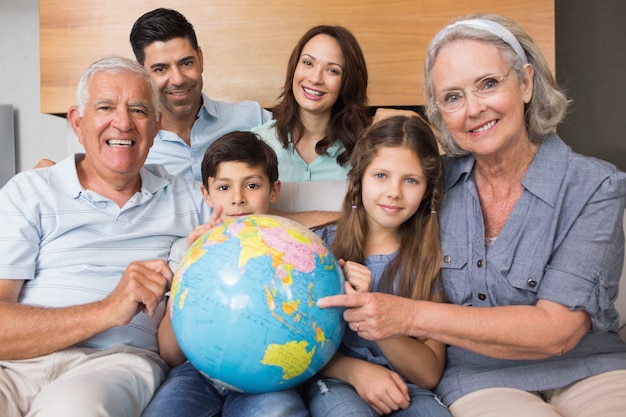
<point x="563" y="242"/>
<point x="215" y="119"/>
<point x="291" y="166"/>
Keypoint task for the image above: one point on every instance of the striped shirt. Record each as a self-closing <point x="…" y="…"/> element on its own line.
<point x="71" y="245"/>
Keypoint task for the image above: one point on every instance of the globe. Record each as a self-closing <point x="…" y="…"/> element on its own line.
<point x="244" y="304"/>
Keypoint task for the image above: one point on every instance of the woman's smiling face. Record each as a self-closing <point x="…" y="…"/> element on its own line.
<point x="318" y="76"/>
<point x="482" y="126"/>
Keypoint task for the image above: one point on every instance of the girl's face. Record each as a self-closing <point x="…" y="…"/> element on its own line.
<point x="393" y="187"/>
<point x="318" y="75"/>
<point x="482" y="126"/>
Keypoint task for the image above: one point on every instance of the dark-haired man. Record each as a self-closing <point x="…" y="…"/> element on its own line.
<point x="165" y="43"/>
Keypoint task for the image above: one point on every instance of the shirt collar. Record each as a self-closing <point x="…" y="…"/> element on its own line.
<point x="65" y="174"/>
<point x="544" y="176"/>
<point x="208" y="108"/>
<point x="546" y="172"/>
<point x="153" y="177"/>
<point x="335" y="149"/>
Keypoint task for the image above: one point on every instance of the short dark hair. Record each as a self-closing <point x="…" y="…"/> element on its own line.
<point x="240" y="146"/>
<point x="160" y="25"/>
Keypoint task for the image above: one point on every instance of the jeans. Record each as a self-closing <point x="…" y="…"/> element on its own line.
<point x="328" y="397"/>
<point x="187" y="393"/>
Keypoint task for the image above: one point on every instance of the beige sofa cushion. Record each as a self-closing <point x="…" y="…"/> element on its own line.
<point x="311" y="195"/>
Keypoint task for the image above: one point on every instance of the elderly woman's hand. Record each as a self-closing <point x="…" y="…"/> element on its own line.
<point x="373" y="315"/>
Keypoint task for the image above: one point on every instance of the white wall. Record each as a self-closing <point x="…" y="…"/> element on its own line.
<point x="37" y="135"/>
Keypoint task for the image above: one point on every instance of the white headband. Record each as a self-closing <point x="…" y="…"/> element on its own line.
<point x="494" y="28"/>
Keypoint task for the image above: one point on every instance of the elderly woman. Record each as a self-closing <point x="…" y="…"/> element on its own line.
<point x="532" y="240"/>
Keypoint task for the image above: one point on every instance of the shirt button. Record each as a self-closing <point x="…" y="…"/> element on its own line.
<point x="447" y="259"/>
<point x="480" y="263"/>
<point x="482" y="296"/>
<point x="532" y="283"/>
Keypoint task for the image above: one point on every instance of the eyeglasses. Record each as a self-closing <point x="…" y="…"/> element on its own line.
<point x="453" y="100"/>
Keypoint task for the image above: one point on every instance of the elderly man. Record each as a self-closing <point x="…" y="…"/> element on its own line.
<point x="82" y="276"/>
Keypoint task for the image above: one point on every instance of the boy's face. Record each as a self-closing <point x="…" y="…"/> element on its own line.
<point x="240" y="189"/>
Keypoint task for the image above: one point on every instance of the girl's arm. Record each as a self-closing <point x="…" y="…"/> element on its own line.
<point x="419" y="361"/>
<point x="383" y="389"/>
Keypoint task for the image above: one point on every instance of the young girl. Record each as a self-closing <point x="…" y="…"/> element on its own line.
<point x="387" y="240"/>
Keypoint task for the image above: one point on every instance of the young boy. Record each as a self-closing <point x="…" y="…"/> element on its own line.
<point x="239" y="177"/>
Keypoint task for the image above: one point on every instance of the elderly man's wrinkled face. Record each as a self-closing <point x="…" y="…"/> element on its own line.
<point x="119" y="124"/>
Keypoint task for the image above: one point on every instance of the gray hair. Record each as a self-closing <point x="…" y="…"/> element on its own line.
<point x="548" y="104"/>
<point x="113" y="65"/>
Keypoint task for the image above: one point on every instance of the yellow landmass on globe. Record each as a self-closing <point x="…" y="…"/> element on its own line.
<point x="292" y="357"/>
<point x="298" y="236"/>
<point x="290" y="307"/>
<point x="183" y="297"/>
<point x="271" y="305"/>
<point x="256" y="247"/>
<point x="320" y="336"/>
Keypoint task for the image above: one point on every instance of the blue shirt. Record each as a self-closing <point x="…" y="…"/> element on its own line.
<point x="71" y="245"/>
<point x="563" y="242"/>
<point x="291" y="166"/>
<point x="215" y="119"/>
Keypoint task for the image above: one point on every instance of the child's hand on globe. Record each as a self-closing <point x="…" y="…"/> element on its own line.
<point x="214" y="220"/>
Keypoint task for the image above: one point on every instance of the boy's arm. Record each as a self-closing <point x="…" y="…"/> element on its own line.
<point x="168" y="345"/>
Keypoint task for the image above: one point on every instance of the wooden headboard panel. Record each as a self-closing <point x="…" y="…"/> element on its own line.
<point x="246" y="43"/>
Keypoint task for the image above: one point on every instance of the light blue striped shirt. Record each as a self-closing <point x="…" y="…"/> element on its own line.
<point x="71" y="245"/>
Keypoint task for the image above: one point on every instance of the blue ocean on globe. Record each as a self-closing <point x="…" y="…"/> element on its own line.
<point x="244" y="304"/>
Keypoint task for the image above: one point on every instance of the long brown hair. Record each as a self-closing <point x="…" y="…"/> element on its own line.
<point x="418" y="260"/>
<point x="349" y="113"/>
